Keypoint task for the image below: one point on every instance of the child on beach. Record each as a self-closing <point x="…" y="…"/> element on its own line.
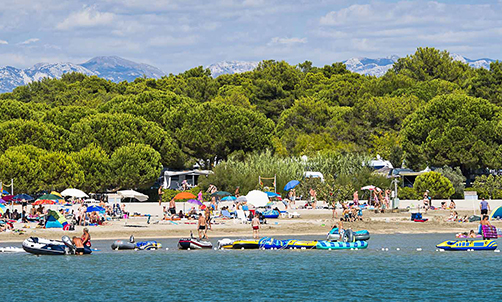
<point x="255" y="224"/>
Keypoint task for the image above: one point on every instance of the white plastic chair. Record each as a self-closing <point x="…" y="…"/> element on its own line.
<point x="241" y="217"/>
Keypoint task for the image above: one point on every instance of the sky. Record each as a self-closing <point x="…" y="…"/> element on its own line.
<point x="176" y="35"/>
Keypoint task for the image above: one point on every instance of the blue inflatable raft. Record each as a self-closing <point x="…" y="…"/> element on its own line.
<point x="271" y="214"/>
<point x="330" y="245"/>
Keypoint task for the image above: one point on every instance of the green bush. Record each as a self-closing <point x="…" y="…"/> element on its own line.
<point x="438" y="185"/>
<point x="407" y="194"/>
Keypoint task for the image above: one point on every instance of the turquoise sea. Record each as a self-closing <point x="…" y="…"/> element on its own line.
<point x="254" y="275"/>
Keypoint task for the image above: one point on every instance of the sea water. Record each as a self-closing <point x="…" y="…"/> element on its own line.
<point x="417" y="271"/>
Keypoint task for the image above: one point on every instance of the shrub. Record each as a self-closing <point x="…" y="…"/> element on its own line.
<point x="407" y="194"/>
<point x="438" y="185"/>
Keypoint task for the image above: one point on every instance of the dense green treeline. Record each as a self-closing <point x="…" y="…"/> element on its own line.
<point x="87" y="132"/>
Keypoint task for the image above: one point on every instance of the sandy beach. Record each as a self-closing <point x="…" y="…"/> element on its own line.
<point x="311" y="222"/>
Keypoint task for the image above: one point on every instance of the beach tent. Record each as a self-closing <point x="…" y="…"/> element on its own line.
<point x="496" y="214"/>
<point x="56" y="220"/>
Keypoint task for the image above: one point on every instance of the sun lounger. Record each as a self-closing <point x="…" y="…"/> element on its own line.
<point x="489" y="232"/>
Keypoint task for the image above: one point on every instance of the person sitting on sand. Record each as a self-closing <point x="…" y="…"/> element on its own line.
<point x="79" y="246"/>
<point x="86" y="238"/>
<point x="255" y="224"/>
<point x="453" y="205"/>
<point x="201" y="226"/>
<point x="180" y="214"/>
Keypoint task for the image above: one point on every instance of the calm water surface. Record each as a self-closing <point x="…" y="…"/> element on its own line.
<point x="252" y="275"/>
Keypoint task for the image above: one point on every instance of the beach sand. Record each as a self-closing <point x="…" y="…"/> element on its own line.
<point x="311" y="222"/>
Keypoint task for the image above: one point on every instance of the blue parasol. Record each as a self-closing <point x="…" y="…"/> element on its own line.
<point x="290" y="185"/>
<point x="95" y="209"/>
<point x="23" y="196"/>
<point x="228" y="198"/>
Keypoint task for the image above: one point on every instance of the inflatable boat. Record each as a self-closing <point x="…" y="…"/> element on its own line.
<point x="193" y="243"/>
<point x="42" y="246"/>
<point x="246" y="244"/>
<point x="271" y="243"/>
<point x="271" y="214"/>
<point x="11" y="249"/>
<point x="329" y="245"/>
<point x="334" y="235"/>
<point x="464" y="245"/>
<point x="226" y="243"/>
<point x="131" y="245"/>
<point x="299" y="244"/>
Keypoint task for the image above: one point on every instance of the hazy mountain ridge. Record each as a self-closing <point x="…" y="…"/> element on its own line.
<point x="112" y="68"/>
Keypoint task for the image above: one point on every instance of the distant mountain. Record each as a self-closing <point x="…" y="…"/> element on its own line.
<point x="111" y="68"/>
<point x="378" y="67"/>
<point x="374" y="67"/>
<point x="117" y="69"/>
<point x="231" y="67"/>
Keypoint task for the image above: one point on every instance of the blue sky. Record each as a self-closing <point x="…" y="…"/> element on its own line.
<point x="176" y="35"/>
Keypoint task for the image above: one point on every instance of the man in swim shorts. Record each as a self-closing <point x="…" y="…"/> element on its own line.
<point x="201" y="226"/>
<point x="255" y="223"/>
<point x="172" y="207"/>
<point x="79" y="246"/>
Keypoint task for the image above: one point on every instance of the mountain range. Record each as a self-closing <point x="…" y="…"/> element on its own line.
<point x="117" y="69"/>
<point x="112" y="68"/>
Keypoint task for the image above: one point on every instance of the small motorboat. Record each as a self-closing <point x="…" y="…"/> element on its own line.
<point x="362" y="235"/>
<point x="330" y="245"/>
<point x="471" y="245"/>
<point x="42" y="246"/>
<point x="132" y="245"/>
<point x="194" y="243"/>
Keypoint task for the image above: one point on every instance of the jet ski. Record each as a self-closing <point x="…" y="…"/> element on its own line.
<point x="42" y="246"/>
<point x="132" y="245"/>
<point x="193" y="243"/>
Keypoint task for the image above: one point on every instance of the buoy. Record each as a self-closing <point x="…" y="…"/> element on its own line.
<point x="386" y="248"/>
<point x="497" y="251"/>
<point x="383" y="249"/>
<point x="357" y="249"/>
<point x="419" y="249"/>
<point x="167" y="249"/>
<point x="441" y="250"/>
<point x="397" y="249"/>
<point x="215" y="249"/>
<point x="242" y="248"/>
<point x="329" y="249"/>
<point x="188" y="248"/>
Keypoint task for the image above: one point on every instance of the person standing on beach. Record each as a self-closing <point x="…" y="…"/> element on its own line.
<point x="207" y="214"/>
<point x="255" y="224"/>
<point x="237" y="192"/>
<point x="172" y="206"/>
<point x="201" y="226"/>
<point x="484" y="206"/>
<point x="160" y="194"/>
<point x="355" y="198"/>
<point x="313" y="198"/>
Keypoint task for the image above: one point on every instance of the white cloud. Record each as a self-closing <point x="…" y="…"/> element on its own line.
<point x="3" y="42"/>
<point x="29" y="41"/>
<point x="287" y="41"/>
<point x="88" y="17"/>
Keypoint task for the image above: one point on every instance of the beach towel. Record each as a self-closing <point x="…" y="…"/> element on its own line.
<point x="489" y="231"/>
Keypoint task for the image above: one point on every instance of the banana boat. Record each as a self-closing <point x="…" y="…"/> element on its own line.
<point x="464" y="245"/>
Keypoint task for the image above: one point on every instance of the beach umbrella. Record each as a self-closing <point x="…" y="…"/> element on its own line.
<point x="95" y="209"/>
<point x="50" y="197"/>
<point x="133" y="194"/>
<point x="290" y="185"/>
<point x="8" y="197"/>
<point x="2" y="201"/>
<point x="43" y="201"/>
<point x="221" y="193"/>
<point x="257" y="198"/>
<point x="229" y="198"/>
<point x="272" y="194"/>
<point x="56" y="193"/>
<point x="4" y="192"/>
<point x="2" y="209"/>
<point x="195" y="201"/>
<point x="185" y="195"/>
<point x="23" y="196"/>
<point x="241" y="199"/>
<point x="371" y="188"/>
<point x="74" y="193"/>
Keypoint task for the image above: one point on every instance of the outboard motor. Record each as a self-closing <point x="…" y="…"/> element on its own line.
<point x="348" y="236"/>
<point x="69" y="243"/>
